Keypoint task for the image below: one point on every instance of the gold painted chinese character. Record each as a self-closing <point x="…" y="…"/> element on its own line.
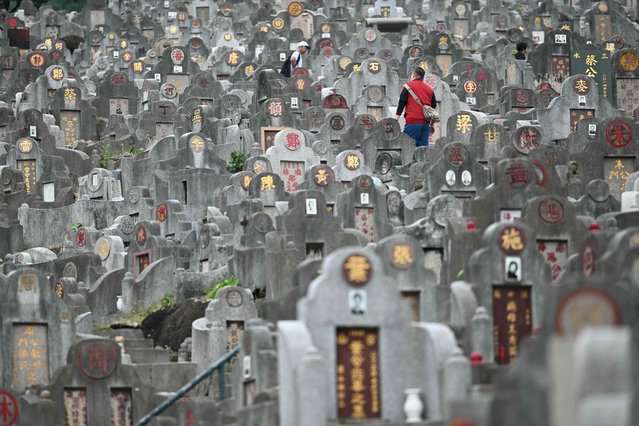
<point x="69" y="94"/>
<point x="267" y="183"/>
<point x="463" y="123"/>
<point x="357" y="269"/>
<point x="402" y="255"/>
<point x="57" y="74"/>
<point x="491" y="135"/>
<point x="352" y="162"/>
<point x="511" y="240"/>
<point x="581" y="86"/>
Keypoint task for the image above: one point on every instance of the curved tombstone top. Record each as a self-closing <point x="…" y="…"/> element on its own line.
<point x="231" y="304"/>
<point x="592" y="301"/>
<point x="353" y="269"/>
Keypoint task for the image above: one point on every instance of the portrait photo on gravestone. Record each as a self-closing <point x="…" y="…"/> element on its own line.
<point x="319" y="213"/>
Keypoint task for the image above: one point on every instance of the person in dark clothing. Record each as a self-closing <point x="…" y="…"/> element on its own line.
<point x="522" y="50"/>
<point x="417" y="127"/>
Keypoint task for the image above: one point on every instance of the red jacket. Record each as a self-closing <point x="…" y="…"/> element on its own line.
<point x="414" y="114"/>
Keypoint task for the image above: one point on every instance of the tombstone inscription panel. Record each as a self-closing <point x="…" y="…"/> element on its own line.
<point x="70" y="125"/>
<point x="75" y="407"/>
<point x="357" y="373"/>
<point x="30" y="355"/>
<point x="576" y="115"/>
<point x="121" y="407"/>
<point x="118" y="106"/>
<point x="28" y="169"/>
<point x="511" y="320"/>
<point x="616" y="172"/>
<point x="555" y="254"/>
<point x="365" y="221"/>
<point x="627" y="94"/>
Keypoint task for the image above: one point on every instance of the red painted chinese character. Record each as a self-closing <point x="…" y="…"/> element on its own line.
<point x="293" y="141"/>
<point x="456" y="156"/>
<point x="517" y="174"/>
<point x="98" y="359"/>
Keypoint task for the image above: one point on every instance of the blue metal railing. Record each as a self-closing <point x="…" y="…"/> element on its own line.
<point x="217" y="365"/>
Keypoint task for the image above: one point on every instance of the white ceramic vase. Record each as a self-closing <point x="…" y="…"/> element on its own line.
<point x="413" y="406"/>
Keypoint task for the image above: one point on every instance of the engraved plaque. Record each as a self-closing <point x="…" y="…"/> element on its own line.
<point x="357" y="373"/>
<point x="512" y="320"/>
<point x="29" y="355"/>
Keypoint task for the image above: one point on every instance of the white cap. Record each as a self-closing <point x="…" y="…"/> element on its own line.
<point x="302" y="44"/>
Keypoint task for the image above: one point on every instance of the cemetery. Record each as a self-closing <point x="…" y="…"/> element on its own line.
<point x="211" y="214"/>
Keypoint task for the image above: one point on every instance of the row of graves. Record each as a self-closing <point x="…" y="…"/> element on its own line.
<point x="149" y="150"/>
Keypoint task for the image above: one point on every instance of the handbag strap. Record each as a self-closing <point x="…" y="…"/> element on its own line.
<point x="407" y="87"/>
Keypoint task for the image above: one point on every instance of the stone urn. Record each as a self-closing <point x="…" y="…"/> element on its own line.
<point x="413" y="406"/>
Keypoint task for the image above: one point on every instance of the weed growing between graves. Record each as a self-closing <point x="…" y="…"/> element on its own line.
<point x="109" y="153"/>
<point x="237" y="162"/>
<point x="135" y="318"/>
<point x="229" y="282"/>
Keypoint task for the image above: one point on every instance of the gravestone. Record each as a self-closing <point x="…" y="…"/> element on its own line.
<point x="37" y="328"/>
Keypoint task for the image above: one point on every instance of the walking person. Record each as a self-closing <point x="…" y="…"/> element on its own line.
<point x="417" y="126"/>
<point x="296" y="60"/>
<point x="522" y="51"/>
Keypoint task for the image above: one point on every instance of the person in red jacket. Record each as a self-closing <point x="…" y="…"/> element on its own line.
<point x="417" y="127"/>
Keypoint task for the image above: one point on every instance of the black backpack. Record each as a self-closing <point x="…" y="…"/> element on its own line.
<point x="286" y="67"/>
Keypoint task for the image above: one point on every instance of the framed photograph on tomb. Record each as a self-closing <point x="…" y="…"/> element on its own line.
<point x="512" y="269"/>
<point x="267" y="136"/>
<point x="357" y="302"/>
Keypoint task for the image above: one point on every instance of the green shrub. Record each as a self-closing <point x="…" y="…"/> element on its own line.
<point x="237" y="162"/>
<point x="229" y="282"/>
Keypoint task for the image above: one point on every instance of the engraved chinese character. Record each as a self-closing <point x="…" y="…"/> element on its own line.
<point x="491" y="135"/>
<point x="581" y="85"/>
<point x="275" y="109"/>
<point x="352" y="162"/>
<point x="233" y="58"/>
<point x="98" y="359"/>
<point x="57" y="74"/>
<point x="517" y="174"/>
<point x="511" y="240"/>
<point x="402" y="255"/>
<point x="357" y="269"/>
<point x="321" y="177"/>
<point x="69" y="94"/>
<point x="267" y="183"/>
<point x="463" y="123"/>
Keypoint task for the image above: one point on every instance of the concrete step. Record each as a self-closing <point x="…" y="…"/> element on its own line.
<point x="137" y="344"/>
<point x="127" y="333"/>
<point x="148" y="355"/>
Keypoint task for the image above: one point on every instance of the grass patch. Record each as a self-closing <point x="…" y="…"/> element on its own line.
<point x="135" y="318"/>
<point x="211" y="292"/>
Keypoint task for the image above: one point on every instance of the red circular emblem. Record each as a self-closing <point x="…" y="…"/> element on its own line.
<point x="470" y="86"/>
<point x="81" y="237"/>
<point x="483" y="76"/>
<point x="522" y="96"/>
<point x="541" y="175"/>
<point x="551" y="210"/>
<point x="140" y="236"/>
<point x="618" y="133"/>
<point x="177" y="56"/>
<point x="117" y="79"/>
<point x="160" y="212"/>
<point x="8" y="409"/>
